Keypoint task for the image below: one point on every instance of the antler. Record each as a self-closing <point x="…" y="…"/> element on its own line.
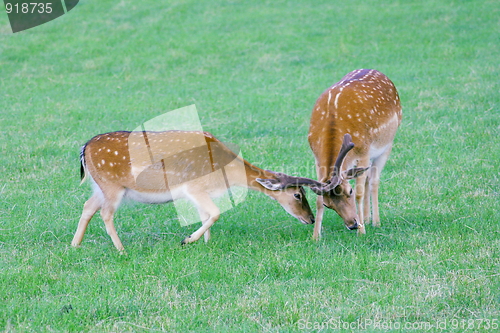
<point x="347" y="145"/>
<point x="336" y="179"/>
<point x="283" y="181"/>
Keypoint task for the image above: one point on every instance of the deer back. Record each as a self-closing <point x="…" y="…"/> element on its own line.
<point x="365" y="104"/>
<point x="157" y="161"/>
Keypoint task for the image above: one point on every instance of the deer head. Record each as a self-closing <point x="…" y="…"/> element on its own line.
<point x="337" y="192"/>
<point x="289" y="192"/>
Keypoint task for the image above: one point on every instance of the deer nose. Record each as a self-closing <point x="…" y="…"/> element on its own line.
<point x="354" y="226"/>
<point x="312" y="219"/>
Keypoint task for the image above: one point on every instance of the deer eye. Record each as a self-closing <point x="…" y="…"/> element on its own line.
<point x="297" y="196"/>
<point x="350" y="192"/>
<point x="338" y="190"/>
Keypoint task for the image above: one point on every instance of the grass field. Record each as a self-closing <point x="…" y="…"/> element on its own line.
<point x="254" y="70"/>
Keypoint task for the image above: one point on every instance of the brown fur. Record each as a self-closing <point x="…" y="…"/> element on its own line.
<point x="365" y="104"/>
<point x="157" y="167"/>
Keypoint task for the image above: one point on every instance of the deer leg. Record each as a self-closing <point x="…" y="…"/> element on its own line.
<point x="319" y="217"/>
<point x="89" y="209"/>
<point x="207" y="236"/>
<point x="204" y="218"/>
<point x="107" y="213"/>
<point x="360" y="195"/>
<point x="112" y="201"/>
<point x="320" y="208"/>
<point x="209" y="213"/>
<point x="366" y="200"/>
<point x="376" y="216"/>
<point x="378" y="165"/>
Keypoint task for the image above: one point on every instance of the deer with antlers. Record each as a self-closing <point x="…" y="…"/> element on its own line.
<point x="159" y="167"/>
<point x="357" y="117"/>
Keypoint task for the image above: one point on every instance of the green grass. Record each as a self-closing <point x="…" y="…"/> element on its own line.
<point x="254" y="70"/>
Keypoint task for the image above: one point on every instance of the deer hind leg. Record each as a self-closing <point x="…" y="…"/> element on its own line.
<point x="376" y="170"/>
<point x="320" y="209"/>
<point x="209" y="213"/>
<point x="360" y="194"/>
<point x="113" y="197"/>
<point x="89" y="209"/>
<point x="107" y="214"/>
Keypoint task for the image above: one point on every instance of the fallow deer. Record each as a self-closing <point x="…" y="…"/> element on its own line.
<point x="191" y="165"/>
<point x="364" y="104"/>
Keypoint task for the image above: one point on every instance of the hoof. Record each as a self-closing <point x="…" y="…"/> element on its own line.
<point x="186" y="241"/>
<point x="361" y="230"/>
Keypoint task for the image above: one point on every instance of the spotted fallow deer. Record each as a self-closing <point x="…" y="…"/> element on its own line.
<point x="365" y="105"/>
<point x="159" y="167"/>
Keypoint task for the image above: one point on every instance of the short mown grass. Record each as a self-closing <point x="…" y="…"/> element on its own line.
<point x="254" y="70"/>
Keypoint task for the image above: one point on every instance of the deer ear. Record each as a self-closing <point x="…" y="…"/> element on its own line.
<point x="354" y="172"/>
<point x="270" y="184"/>
<point x="317" y="190"/>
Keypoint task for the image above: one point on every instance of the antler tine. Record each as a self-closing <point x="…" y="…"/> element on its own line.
<point x="347" y="145"/>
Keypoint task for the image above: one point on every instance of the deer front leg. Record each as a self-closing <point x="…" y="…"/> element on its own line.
<point x="360" y="195"/>
<point x="206" y="235"/>
<point x="319" y="217"/>
<point x="366" y="200"/>
<point x="209" y="213"/>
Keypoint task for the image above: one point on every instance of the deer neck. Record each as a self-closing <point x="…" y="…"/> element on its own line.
<point x="327" y="153"/>
<point x="249" y="179"/>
